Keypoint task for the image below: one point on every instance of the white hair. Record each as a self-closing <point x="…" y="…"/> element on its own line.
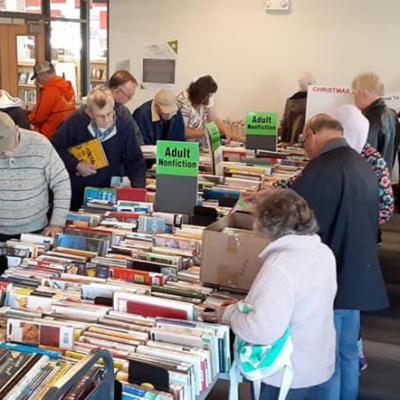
<point x="306" y="79"/>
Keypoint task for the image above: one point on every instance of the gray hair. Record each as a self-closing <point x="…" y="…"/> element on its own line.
<point x="305" y="80"/>
<point x="368" y="82"/>
<point x="282" y="212"/>
<point x="99" y="97"/>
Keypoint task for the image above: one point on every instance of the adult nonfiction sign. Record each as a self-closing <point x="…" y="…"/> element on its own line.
<point x="261" y="130"/>
<point x="214" y="142"/>
<point x="177" y="168"/>
<point x="324" y="99"/>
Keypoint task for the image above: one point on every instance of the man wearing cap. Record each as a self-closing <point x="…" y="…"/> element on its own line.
<point x="29" y="168"/>
<point x="56" y="100"/>
<point x="160" y="119"/>
<point x="13" y="107"/>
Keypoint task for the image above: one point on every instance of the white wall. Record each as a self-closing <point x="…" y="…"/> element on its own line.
<point x="256" y="56"/>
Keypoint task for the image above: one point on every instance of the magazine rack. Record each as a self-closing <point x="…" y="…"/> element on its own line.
<point x="104" y="390"/>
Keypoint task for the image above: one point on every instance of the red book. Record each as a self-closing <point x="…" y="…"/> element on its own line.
<point x="151" y="310"/>
<point x="122" y="216"/>
<point x="137" y="276"/>
<point x="131" y="194"/>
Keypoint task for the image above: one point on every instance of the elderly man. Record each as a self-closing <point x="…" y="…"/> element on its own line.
<point x="30" y="168"/>
<point x="384" y="129"/>
<point x="112" y="124"/>
<point x="56" y="100"/>
<point x="342" y="190"/>
<point x="123" y="87"/>
<point x="160" y="119"/>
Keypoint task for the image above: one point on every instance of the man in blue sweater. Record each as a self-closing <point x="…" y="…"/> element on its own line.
<point x="160" y="119"/>
<point x="112" y="124"/>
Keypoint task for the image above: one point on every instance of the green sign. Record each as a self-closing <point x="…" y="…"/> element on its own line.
<point x="261" y="124"/>
<point x="213" y="135"/>
<point x="177" y="158"/>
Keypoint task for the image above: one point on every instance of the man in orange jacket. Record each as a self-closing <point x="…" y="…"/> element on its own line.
<point x="56" y="100"/>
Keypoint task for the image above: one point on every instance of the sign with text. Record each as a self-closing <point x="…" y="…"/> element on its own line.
<point x="261" y="130"/>
<point x="261" y="124"/>
<point x="177" y="169"/>
<point x="214" y="142"/>
<point x="392" y="100"/>
<point x="324" y="99"/>
<point x="177" y="158"/>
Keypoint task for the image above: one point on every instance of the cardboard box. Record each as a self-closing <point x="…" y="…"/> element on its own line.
<point x="230" y="260"/>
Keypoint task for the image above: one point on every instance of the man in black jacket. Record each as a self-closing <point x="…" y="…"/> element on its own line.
<point x="343" y="192"/>
<point x="112" y="124"/>
<point x="384" y="128"/>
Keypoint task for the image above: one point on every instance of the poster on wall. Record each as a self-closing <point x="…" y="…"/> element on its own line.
<point x="159" y="63"/>
<point x="392" y="100"/>
<point x="324" y="99"/>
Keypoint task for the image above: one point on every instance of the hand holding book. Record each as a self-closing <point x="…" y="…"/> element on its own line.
<point x="85" y="169"/>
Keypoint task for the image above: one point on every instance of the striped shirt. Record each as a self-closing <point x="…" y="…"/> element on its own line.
<point x="25" y="181"/>
<point x="193" y="118"/>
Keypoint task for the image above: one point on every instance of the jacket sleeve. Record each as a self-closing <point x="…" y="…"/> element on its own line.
<point x="134" y="164"/>
<point x="60" y="141"/>
<point x="179" y="128"/>
<point x="272" y="300"/>
<point x="140" y="120"/>
<point x="44" y="107"/>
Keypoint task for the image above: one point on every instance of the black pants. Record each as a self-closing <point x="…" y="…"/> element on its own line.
<point x="271" y="393"/>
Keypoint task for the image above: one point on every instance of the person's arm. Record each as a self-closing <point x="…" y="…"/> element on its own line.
<point x="61" y="142"/>
<point x="140" y="122"/>
<point x="272" y="301"/>
<point x="44" y="107"/>
<point x="134" y="164"/>
<point x="191" y="133"/>
<point x="212" y="116"/>
<point x="59" y="183"/>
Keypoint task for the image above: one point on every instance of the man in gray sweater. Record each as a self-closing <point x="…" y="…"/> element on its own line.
<point x="29" y="169"/>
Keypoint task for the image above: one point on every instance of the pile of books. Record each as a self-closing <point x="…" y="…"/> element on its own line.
<point x="126" y="280"/>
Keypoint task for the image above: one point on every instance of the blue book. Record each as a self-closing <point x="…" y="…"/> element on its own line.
<point x="54" y="355"/>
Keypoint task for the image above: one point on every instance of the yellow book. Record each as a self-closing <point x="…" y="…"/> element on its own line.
<point x="91" y="152"/>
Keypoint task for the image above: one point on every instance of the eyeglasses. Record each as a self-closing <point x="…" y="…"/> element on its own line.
<point x="128" y="96"/>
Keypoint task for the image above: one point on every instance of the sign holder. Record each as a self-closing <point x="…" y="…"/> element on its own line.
<point x="177" y="170"/>
<point x="261" y="131"/>
<point x="214" y="144"/>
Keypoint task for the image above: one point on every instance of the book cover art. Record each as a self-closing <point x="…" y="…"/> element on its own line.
<point x="90" y="152"/>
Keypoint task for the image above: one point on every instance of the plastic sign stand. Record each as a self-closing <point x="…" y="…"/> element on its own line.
<point x="261" y="131"/>
<point x="177" y="169"/>
<point x="214" y="144"/>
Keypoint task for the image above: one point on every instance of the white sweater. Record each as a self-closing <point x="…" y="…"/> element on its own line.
<point x="296" y="286"/>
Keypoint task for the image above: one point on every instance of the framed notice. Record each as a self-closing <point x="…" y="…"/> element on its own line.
<point x="158" y="71"/>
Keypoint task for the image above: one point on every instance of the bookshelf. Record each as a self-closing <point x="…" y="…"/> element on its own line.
<point x="27" y="90"/>
<point x="98" y="73"/>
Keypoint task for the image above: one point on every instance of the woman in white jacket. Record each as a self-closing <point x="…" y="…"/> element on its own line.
<point x="295" y="287"/>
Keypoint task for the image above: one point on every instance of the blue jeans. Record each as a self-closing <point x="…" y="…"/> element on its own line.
<point x="271" y="393"/>
<point x="344" y="383"/>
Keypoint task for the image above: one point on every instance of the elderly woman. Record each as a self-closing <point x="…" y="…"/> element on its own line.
<point x="295" y="287"/>
<point x="355" y="131"/>
<point x="195" y="104"/>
